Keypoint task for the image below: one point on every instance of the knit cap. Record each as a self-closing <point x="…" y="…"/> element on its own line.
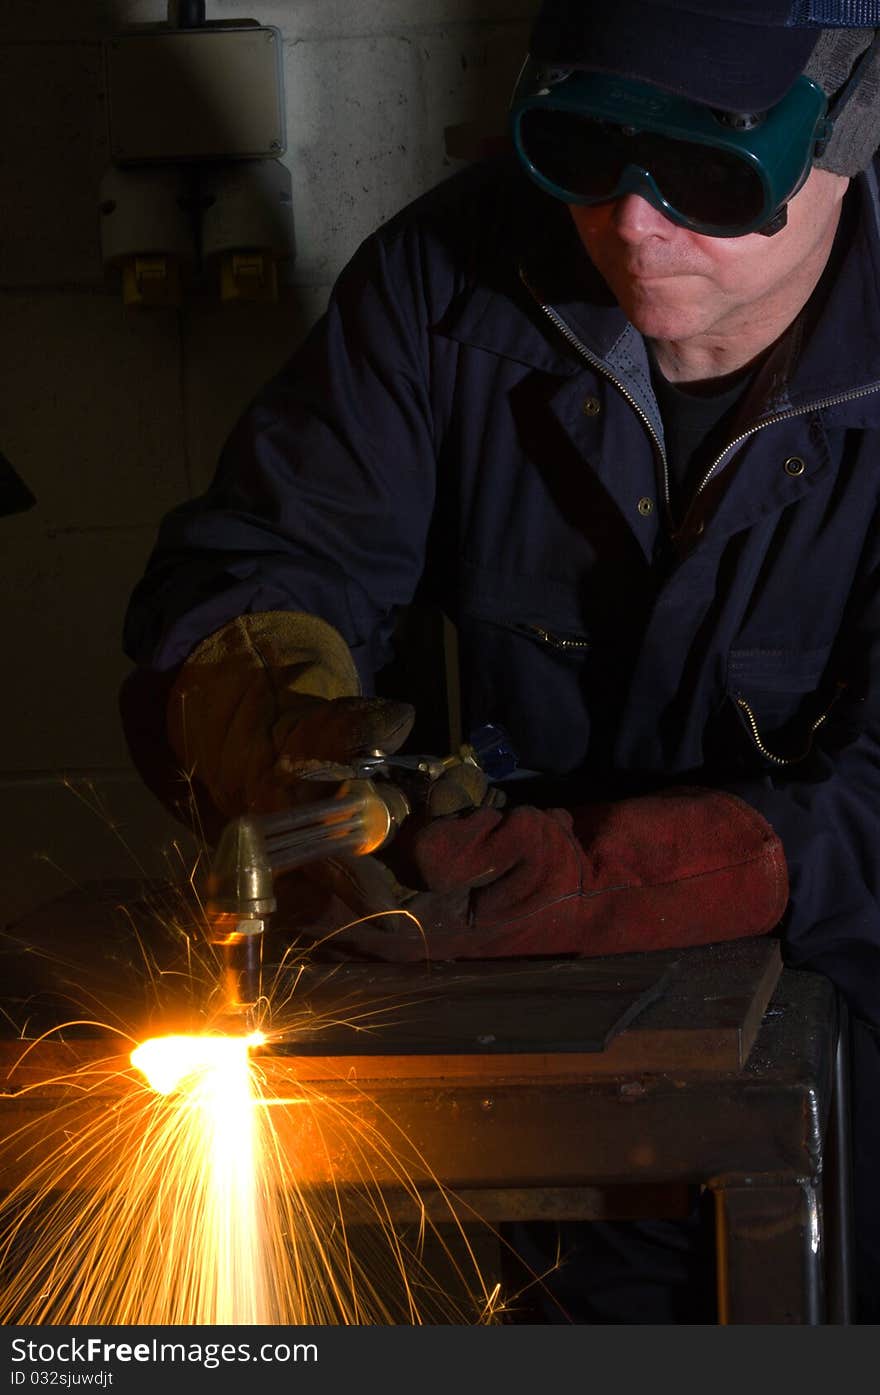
<point x="856" y="134"/>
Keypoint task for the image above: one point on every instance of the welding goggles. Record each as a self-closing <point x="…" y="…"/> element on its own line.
<point x="589" y="137"/>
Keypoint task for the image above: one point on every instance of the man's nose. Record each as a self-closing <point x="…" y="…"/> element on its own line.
<point x="635" y="219"/>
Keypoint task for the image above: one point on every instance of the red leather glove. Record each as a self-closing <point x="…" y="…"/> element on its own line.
<point x="683" y="867"/>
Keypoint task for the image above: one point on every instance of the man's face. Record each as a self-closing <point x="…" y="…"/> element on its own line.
<point x="680" y="286"/>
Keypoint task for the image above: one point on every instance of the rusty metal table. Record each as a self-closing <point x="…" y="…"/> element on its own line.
<point x="587" y="1090"/>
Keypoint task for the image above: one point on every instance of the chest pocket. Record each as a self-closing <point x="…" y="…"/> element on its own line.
<point x="782" y="698"/>
<point x="527" y="668"/>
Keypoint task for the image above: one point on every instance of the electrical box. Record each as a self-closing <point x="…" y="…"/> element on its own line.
<point x="197" y="94"/>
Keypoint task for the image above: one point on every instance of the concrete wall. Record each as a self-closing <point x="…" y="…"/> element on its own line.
<point x="112" y="415"/>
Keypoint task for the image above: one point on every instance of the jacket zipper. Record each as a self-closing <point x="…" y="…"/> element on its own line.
<point x="568" y="334"/>
<point x="769" y="755"/>
<point x="552" y="640"/>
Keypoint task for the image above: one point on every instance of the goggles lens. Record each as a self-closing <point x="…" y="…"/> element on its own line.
<point x="594" y="160"/>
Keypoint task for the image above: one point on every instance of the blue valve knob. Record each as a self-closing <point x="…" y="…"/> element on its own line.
<point x="493" y="750"/>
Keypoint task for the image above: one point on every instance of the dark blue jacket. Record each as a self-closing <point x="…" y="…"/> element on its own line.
<point x="473" y="422"/>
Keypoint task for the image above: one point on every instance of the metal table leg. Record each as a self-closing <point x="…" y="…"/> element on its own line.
<point x="837" y="1185"/>
<point x="770" y="1266"/>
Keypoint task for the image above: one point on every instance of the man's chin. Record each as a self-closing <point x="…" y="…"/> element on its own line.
<point x="661" y="317"/>
<point x="659" y="326"/>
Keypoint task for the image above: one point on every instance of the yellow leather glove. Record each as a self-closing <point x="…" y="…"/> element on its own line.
<point x="269" y="699"/>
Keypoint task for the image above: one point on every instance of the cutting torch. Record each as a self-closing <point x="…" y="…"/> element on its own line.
<point x="361" y="816"/>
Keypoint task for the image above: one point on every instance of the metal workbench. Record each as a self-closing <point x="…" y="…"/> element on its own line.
<point x="586" y="1089"/>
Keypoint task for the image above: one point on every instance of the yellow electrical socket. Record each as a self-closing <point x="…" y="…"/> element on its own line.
<point x="150" y="280"/>
<point x="248" y="276"/>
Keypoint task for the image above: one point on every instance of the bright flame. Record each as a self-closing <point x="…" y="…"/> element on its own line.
<point x="219" y="1147"/>
<point x="168" y="1061"/>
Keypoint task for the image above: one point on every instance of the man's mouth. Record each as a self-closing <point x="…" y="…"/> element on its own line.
<point x="655" y="273"/>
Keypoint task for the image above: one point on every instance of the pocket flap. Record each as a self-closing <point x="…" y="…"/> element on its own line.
<point x="776" y="670"/>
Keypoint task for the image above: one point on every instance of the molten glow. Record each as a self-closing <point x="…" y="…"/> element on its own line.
<point x="167" y="1061"/>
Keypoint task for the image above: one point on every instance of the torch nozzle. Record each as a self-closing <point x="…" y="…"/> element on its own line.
<point x="241" y="951"/>
<point x="241" y="896"/>
<point x="356" y="819"/>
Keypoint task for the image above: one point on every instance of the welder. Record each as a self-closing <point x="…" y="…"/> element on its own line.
<point x="609" y="401"/>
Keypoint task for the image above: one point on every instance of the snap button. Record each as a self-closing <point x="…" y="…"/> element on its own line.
<point x="592" y="407"/>
<point x="794" y="465"/>
<point x="645" y="506"/>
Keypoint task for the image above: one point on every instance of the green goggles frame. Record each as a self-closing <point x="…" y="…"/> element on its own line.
<point x="776" y="148"/>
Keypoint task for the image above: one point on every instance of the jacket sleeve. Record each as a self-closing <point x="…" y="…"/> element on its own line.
<point x="324" y="492"/>
<point x="826" y="811"/>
